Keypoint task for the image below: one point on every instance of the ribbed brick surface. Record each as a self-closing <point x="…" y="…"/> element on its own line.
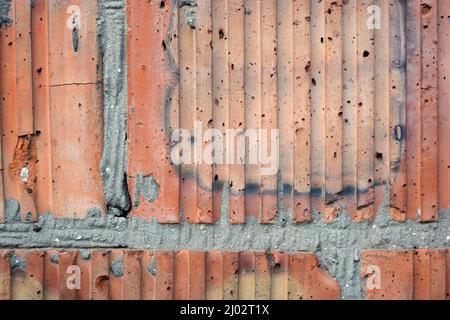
<point x="123" y="274"/>
<point x="363" y="114"/>
<point x="405" y="275"/>
<point x="348" y="101"/>
<point x="340" y="144"/>
<point x="51" y="109"/>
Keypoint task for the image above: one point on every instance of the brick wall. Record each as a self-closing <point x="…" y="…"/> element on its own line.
<point x="92" y="92"/>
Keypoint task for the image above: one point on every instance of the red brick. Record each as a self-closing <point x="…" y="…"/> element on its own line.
<point x="395" y="275"/>
<point x="94" y="276"/>
<point x="148" y="25"/>
<point x="56" y="274"/>
<point x="5" y="276"/>
<point x="412" y="274"/>
<point x="17" y="107"/>
<point x="444" y="103"/>
<point x="308" y="282"/>
<point x="430" y="120"/>
<point x="27" y="283"/>
<point x="128" y="285"/>
<point x="430" y="274"/>
<point x="166" y="275"/>
<point x="189" y="275"/>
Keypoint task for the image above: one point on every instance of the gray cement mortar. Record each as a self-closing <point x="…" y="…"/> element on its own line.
<point x="338" y="245"/>
<point x="111" y="33"/>
<point x="5" y="19"/>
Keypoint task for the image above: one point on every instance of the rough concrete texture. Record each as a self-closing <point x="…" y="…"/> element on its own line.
<point x="5" y="19"/>
<point x="111" y="32"/>
<point x="147" y="187"/>
<point x="338" y="245"/>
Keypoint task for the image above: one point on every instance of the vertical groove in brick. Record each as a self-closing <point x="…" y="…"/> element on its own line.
<point x="188" y="113"/>
<point x="214" y="278"/>
<point x="236" y="43"/>
<point x="165" y="275"/>
<point x="444" y="103"/>
<point x="116" y="273"/>
<point x="181" y="276"/>
<point x="153" y="107"/>
<point x="40" y="46"/>
<point x="413" y="105"/>
<point x="280" y="277"/>
<point x="333" y="101"/>
<point x="197" y="275"/>
<point x="16" y="108"/>
<point x="430" y="274"/>
<point x="350" y="97"/>
<point x="27" y="275"/>
<point x="94" y="268"/>
<point x="189" y="275"/>
<point x="204" y="105"/>
<point x="302" y="110"/>
<point x="285" y="101"/>
<point x="51" y="275"/>
<point x="148" y="265"/>
<point x="125" y="275"/>
<point x="262" y="277"/>
<point x="383" y="63"/>
<point x="365" y="112"/>
<point x="247" y="276"/>
<point x="66" y="260"/>
<point x="230" y="276"/>
<point x="132" y="277"/>
<point x="22" y="12"/>
<point x="269" y="118"/>
<point x="253" y="72"/>
<point x="429" y="104"/>
<point x="317" y="102"/>
<point x="220" y="112"/>
<point x="5" y="275"/>
<point x="397" y="111"/>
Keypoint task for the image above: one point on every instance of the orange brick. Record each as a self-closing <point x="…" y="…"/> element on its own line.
<point x="5" y="275"/>
<point x="430" y="274"/>
<point x="163" y="275"/>
<point x="17" y="107"/>
<point x="76" y="132"/>
<point x="189" y="276"/>
<point x="125" y="275"/>
<point x="414" y="116"/>
<point x="314" y="284"/>
<point x="147" y="20"/>
<point x="387" y="275"/>
<point x="429" y="103"/>
<point x="27" y="277"/>
<point x="444" y="102"/>
<point x="94" y="267"/>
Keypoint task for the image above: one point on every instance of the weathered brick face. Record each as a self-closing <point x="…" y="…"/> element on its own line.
<point x="92" y="93"/>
